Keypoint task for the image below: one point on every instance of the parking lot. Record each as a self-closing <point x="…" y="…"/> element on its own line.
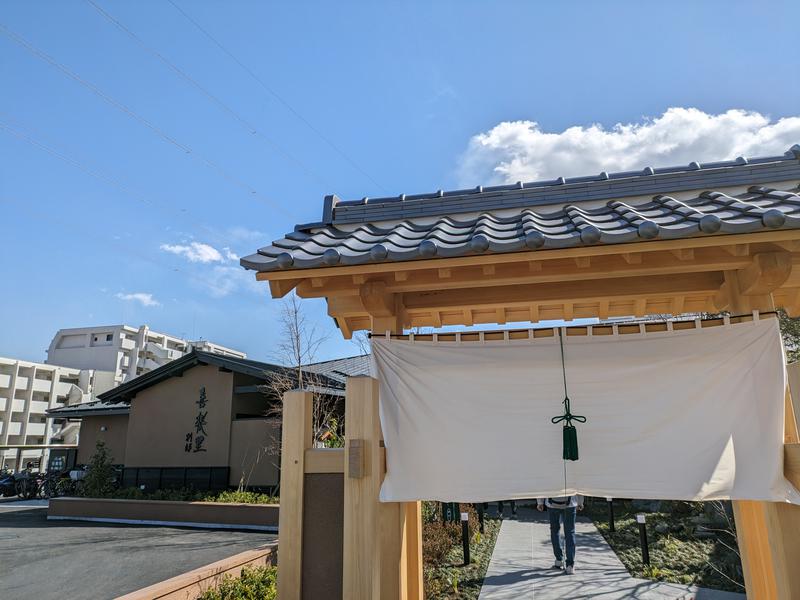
<point x="61" y="559"/>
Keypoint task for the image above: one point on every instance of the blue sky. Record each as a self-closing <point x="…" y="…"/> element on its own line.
<point x="100" y="210"/>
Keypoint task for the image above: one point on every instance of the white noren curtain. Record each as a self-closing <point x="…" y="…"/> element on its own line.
<point x="687" y="415"/>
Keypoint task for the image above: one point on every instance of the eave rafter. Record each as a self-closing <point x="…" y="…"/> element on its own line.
<point x="659" y="277"/>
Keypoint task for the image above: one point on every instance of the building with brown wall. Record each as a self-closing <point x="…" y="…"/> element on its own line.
<point x="201" y="420"/>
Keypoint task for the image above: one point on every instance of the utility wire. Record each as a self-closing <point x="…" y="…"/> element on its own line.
<point x="30" y="208"/>
<point x="248" y="126"/>
<point x="21" y="134"/>
<point x="279" y="98"/>
<point x="20" y="41"/>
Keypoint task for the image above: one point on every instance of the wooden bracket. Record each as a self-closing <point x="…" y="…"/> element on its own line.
<point x="767" y="272"/>
<point x="377" y="301"/>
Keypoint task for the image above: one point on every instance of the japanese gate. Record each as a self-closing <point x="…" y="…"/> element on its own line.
<point x="707" y="237"/>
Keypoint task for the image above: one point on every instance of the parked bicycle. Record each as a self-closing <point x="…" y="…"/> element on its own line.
<point x="55" y="484"/>
<point x="26" y="483"/>
<point x="8" y="485"/>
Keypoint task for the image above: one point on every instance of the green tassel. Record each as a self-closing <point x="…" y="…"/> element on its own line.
<point x="570" y="442"/>
<point x="570" y="433"/>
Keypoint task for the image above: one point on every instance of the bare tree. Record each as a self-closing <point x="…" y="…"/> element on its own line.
<point x="299" y="341"/>
<point x="361" y="341"/>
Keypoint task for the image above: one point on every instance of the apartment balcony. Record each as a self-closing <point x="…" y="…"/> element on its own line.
<point x="148" y="364"/>
<point x="38" y="407"/>
<point x="14" y="428"/>
<point x="42" y="385"/>
<point x="36" y="429"/>
<point x="5" y="380"/>
<point x="69" y="433"/>
<point x="158" y="351"/>
<point x="63" y="388"/>
<point x="22" y="383"/>
<point x="127" y="344"/>
<point x="18" y="405"/>
<point x="3" y="404"/>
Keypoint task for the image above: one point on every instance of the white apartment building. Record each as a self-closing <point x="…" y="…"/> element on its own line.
<point x="27" y="390"/>
<point x="125" y="351"/>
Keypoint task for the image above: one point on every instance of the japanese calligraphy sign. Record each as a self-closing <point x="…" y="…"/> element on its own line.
<point x="195" y="440"/>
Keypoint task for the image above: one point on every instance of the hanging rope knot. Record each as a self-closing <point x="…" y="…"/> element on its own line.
<point x="568" y="417"/>
<point x="570" y="433"/>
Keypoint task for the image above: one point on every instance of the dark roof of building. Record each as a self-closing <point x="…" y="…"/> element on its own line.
<point x="94" y="408"/>
<point x="175" y="367"/>
<point x="329" y="379"/>
<point x="340" y="369"/>
<point x="586" y="210"/>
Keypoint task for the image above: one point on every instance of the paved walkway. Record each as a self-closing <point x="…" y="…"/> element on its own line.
<point x="520" y="568"/>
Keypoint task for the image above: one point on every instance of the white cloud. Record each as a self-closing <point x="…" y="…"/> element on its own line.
<point x="520" y="151"/>
<point x="195" y="252"/>
<point x="243" y="234"/>
<point x="220" y="275"/>
<point x="222" y="281"/>
<point x="142" y="298"/>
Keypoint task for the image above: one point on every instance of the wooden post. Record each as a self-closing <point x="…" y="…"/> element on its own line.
<point x="296" y="438"/>
<point x="413" y="551"/>
<point x="363" y="470"/>
<point x="393" y="554"/>
<point x="768" y="533"/>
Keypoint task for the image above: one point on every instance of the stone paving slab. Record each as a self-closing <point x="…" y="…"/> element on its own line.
<point x="521" y="568"/>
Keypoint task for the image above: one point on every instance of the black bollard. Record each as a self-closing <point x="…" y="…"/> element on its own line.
<point x="465" y="536"/>
<point x="640" y="519"/>
<point x="611" y="527"/>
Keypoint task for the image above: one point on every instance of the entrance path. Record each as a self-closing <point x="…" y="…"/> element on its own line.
<point x="520" y="568"/>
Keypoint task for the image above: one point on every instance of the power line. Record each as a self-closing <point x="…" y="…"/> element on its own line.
<point x="248" y="126"/>
<point x="30" y="207"/>
<point x="125" y="109"/>
<point x="279" y="98"/>
<point x="21" y="134"/>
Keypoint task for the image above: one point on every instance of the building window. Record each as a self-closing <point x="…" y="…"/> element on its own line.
<point x="109" y="337"/>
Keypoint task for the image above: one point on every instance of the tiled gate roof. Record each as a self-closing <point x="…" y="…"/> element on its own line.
<point x="604" y="209"/>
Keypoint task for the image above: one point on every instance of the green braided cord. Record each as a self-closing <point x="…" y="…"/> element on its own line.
<point x="570" y="433"/>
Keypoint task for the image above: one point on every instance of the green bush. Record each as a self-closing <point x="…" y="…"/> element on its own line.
<point x="255" y="583"/>
<point x="179" y="495"/>
<point x="242" y="497"/>
<point x="190" y="495"/>
<point x="99" y="480"/>
<point x="439" y="538"/>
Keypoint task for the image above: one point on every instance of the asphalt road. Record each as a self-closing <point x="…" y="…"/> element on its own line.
<point x="70" y="560"/>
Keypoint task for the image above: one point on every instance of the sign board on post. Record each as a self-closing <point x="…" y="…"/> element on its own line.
<point x="450" y="512"/>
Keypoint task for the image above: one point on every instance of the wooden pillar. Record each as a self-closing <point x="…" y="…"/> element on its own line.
<point x="412" y="538"/>
<point x="768" y="533"/>
<point x="363" y="470"/>
<point x="393" y="554"/>
<point x="296" y="437"/>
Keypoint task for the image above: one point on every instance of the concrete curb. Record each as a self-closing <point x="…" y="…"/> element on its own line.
<point x="193" y="584"/>
<point x="265" y="528"/>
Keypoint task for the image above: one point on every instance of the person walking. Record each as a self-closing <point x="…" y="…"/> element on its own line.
<point x="500" y="508"/>
<point x="562" y="509"/>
